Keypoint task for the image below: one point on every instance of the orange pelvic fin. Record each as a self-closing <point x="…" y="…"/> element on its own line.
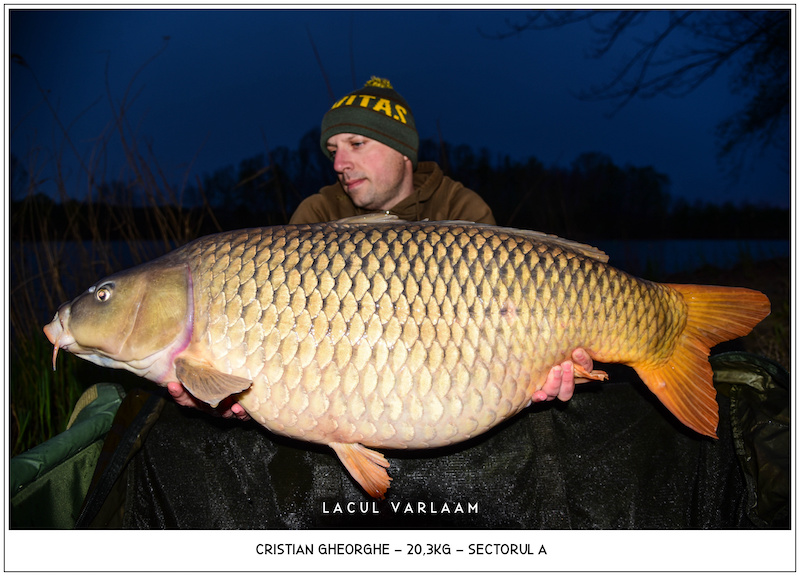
<point x="581" y="374"/>
<point x="684" y="383"/>
<point x="366" y="466"/>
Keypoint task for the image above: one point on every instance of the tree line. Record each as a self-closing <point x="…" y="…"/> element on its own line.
<point x="592" y="198"/>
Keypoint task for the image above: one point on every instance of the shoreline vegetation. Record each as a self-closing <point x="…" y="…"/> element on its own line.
<point x="110" y="221"/>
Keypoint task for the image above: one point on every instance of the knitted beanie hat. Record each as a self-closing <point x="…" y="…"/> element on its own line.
<point x="375" y="111"/>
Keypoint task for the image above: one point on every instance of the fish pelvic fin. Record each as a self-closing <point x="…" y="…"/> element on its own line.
<point x="206" y="383"/>
<point x="366" y="466"/>
<point x="584" y="376"/>
<point x="684" y="383"/>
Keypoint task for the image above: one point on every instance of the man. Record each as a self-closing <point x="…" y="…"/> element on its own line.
<point x="371" y="137"/>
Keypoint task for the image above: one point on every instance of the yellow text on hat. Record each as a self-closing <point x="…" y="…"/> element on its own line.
<point x="381" y="105"/>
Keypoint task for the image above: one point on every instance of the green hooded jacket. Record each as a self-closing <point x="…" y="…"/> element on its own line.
<point x="436" y="197"/>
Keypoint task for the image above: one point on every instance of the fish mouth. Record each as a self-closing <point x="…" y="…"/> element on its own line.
<point x="58" y="335"/>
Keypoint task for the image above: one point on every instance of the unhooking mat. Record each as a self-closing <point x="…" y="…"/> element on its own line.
<point x="610" y="458"/>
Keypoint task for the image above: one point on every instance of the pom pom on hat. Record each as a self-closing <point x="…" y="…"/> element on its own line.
<point x="376" y="111"/>
<point x="379" y="83"/>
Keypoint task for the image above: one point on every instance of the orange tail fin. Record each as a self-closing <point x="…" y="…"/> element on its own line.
<point x="684" y="384"/>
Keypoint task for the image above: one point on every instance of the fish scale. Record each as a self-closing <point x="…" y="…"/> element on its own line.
<point x="398" y="335"/>
<point x="427" y="261"/>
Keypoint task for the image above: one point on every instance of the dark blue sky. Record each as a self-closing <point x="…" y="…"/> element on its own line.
<point x="231" y="83"/>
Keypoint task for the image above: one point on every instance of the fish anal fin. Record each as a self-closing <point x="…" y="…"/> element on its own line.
<point x="207" y="383"/>
<point x="366" y="466"/>
<point x="684" y="382"/>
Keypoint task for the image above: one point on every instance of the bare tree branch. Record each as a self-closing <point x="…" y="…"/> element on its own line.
<point x="688" y="48"/>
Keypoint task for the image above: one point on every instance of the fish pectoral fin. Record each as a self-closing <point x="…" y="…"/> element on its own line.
<point x="206" y="383"/>
<point x="368" y="467"/>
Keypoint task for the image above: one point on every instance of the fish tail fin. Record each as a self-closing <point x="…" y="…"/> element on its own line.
<point x="684" y="383"/>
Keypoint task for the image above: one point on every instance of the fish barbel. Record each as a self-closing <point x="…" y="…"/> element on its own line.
<point x="397" y="334"/>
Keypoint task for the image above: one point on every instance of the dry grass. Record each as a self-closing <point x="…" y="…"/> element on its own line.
<point x="71" y="253"/>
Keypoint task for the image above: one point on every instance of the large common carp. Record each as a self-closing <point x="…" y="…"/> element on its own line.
<point x="397" y="334"/>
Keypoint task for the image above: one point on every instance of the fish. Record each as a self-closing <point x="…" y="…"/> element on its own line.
<point x="379" y="334"/>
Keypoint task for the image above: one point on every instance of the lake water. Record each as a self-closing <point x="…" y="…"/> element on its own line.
<point x="662" y="257"/>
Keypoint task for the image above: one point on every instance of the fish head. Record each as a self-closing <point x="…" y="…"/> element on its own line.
<point x="131" y="320"/>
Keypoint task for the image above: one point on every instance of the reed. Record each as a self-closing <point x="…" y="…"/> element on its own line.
<point x="60" y="246"/>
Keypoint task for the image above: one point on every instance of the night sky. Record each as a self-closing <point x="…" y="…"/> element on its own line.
<point x="232" y="84"/>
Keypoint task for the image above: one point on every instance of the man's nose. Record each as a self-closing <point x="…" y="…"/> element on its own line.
<point x="341" y="161"/>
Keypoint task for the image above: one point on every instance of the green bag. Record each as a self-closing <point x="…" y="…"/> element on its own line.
<point x="48" y="482"/>
<point x="761" y="419"/>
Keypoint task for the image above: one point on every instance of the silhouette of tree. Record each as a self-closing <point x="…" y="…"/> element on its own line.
<point x="684" y="50"/>
<point x="309" y="167"/>
<point x="608" y="200"/>
<point x="18" y="178"/>
<point x="218" y="186"/>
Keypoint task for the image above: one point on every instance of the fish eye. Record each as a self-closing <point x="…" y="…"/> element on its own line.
<point x="104" y="292"/>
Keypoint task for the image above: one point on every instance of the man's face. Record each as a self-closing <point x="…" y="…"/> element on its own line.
<point x="375" y="176"/>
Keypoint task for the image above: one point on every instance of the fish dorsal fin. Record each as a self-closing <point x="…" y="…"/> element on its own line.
<point x="206" y="383"/>
<point x="366" y="466"/>
<point x="371" y="218"/>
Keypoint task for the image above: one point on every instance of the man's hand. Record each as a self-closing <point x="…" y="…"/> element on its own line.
<point x="228" y="408"/>
<point x="561" y="379"/>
